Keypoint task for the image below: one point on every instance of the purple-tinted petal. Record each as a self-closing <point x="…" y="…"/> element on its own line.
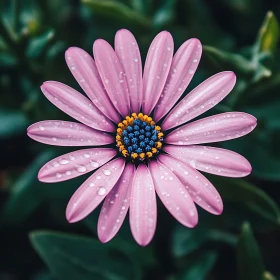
<point x="76" y="105"/>
<point x="143" y="208"/>
<point x="115" y="206"/>
<point x="112" y="75"/>
<point x="62" y="133"/>
<point x="128" y="53"/>
<point x="83" y="68"/>
<point x="88" y="196"/>
<point x="200" y="189"/>
<point x="212" y="160"/>
<point x="156" y="69"/>
<point x="216" y="128"/>
<point x="173" y="194"/>
<point x="182" y="69"/>
<point x="201" y="99"/>
<point x="74" y="164"/>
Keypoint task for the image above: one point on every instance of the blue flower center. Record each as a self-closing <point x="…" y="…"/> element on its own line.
<point x="138" y="137"/>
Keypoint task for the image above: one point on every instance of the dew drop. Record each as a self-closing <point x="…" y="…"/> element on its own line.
<point x="106" y="172"/>
<point x="98" y="177"/>
<point x="94" y="164"/>
<point x="81" y="169"/>
<point x="86" y="155"/>
<point x="101" y="191"/>
<point x="41" y="127"/>
<point x="58" y="175"/>
<point x="68" y="173"/>
<point x="71" y="157"/>
<point x="64" y="161"/>
<point x="54" y="139"/>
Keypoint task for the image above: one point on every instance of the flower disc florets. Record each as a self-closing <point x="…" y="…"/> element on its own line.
<point x="138" y="137"/>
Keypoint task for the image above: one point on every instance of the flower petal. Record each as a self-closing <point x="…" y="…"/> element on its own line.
<point x="74" y="164"/>
<point x="173" y="194"/>
<point x="128" y="53"/>
<point x="212" y="160"/>
<point x="182" y="69"/>
<point x="62" y="133"/>
<point x="143" y="208"/>
<point x="112" y="75"/>
<point x="88" y="196"/>
<point x="115" y="206"/>
<point x="200" y="189"/>
<point x="156" y="69"/>
<point x="83" y="68"/>
<point x="76" y="105"/>
<point x="216" y="128"/>
<point x="201" y="99"/>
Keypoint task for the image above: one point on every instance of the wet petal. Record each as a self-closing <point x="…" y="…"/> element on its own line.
<point x="201" y="99"/>
<point x="173" y="194"/>
<point x="182" y="69"/>
<point x="76" y="105"/>
<point x="83" y="68"/>
<point x="88" y="196"/>
<point x="112" y="75"/>
<point x="128" y="53"/>
<point x="216" y="128"/>
<point x="156" y="69"/>
<point x="62" y="133"/>
<point x="200" y="189"/>
<point x="115" y="206"/>
<point x="212" y="160"/>
<point x="143" y="208"/>
<point x="74" y="164"/>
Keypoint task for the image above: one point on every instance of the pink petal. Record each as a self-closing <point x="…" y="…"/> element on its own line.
<point x="74" y="164"/>
<point x="115" y="206"/>
<point x="156" y="69"/>
<point x="76" y="105"/>
<point x="201" y="99"/>
<point x="112" y="75"/>
<point x="183" y="67"/>
<point x="216" y="128"/>
<point x="88" y="196"/>
<point x="173" y="194"/>
<point x="128" y="53"/>
<point x="62" y="133"/>
<point x="143" y="208"/>
<point x="83" y="68"/>
<point x="212" y="160"/>
<point x="200" y="189"/>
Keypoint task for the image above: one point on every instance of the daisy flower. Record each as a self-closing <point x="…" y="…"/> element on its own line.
<point x="148" y="148"/>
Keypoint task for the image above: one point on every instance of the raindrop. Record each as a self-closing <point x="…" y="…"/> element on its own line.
<point x="86" y="155"/>
<point x="81" y="169"/>
<point x="94" y="164"/>
<point x="41" y="127"/>
<point x="64" y="161"/>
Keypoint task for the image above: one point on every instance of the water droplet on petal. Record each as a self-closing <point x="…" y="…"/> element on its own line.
<point x="101" y="191"/>
<point x="64" y="161"/>
<point x="81" y="169"/>
<point x="106" y="172"/>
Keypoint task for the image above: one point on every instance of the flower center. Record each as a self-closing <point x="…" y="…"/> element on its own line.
<point x="138" y="138"/>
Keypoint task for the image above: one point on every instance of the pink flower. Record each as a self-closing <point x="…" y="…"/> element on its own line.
<point x="149" y="159"/>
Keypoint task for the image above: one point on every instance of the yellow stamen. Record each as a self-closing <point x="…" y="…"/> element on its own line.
<point x="158" y="144"/>
<point x="118" y="137"/>
<point x="160" y="134"/>
<point x="149" y="154"/>
<point x="119" y="143"/>
<point x="134" y="155"/>
<point x="125" y="122"/>
<point x="158" y="128"/>
<point x="149" y="119"/>
<point x="124" y="153"/>
<point x="120" y="125"/>
<point x="119" y="131"/>
<point x="122" y="147"/>
<point x="154" y="150"/>
<point x="142" y="155"/>
<point x="140" y="115"/>
<point x="134" y="115"/>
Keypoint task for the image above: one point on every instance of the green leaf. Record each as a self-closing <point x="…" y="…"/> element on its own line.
<point x="165" y="14"/>
<point x="237" y="63"/>
<point x="186" y="240"/>
<point x="74" y="257"/>
<point x="117" y="11"/>
<point x="268" y="35"/>
<point x="200" y="266"/>
<point x="12" y="123"/>
<point x="268" y="276"/>
<point x="249" y="260"/>
<point x="250" y="197"/>
<point x="38" y="44"/>
<point x="25" y="195"/>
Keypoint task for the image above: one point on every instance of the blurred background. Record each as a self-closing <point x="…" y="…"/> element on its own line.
<point x="37" y="243"/>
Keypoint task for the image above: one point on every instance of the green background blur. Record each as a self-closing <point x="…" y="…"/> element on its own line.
<point x="37" y="243"/>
